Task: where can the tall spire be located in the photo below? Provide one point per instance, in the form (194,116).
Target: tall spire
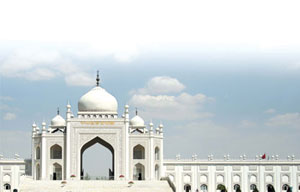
(97,79)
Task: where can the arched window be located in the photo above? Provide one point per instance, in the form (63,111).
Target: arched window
(37,153)
(220,179)
(156,172)
(222,188)
(285,179)
(203,188)
(269,178)
(156,153)
(187,188)
(6,186)
(187,178)
(237,188)
(236,179)
(15,190)
(270,188)
(6,178)
(253,179)
(203,179)
(138,152)
(56,152)
(37,172)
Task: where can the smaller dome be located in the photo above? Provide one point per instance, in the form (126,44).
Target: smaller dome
(137,121)
(58,121)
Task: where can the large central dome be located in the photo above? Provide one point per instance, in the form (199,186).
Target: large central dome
(98,100)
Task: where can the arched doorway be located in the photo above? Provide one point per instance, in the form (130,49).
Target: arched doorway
(139,172)
(270,188)
(221,188)
(253,188)
(187,188)
(237,188)
(156,172)
(108,149)
(57,172)
(6,187)
(203,188)
(38,172)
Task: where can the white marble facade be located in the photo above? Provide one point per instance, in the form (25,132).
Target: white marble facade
(11,172)
(57,149)
(138,152)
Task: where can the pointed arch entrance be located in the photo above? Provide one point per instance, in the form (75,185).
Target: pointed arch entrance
(97,140)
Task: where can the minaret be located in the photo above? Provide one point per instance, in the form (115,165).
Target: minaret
(33,151)
(161,151)
(44,151)
(126,121)
(68,143)
(152,158)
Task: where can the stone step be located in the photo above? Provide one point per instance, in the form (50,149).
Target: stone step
(94,186)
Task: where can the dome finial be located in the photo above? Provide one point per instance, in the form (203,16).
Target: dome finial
(97,79)
(136,111)
(57,110)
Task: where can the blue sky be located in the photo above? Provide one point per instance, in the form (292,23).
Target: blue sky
(221,78)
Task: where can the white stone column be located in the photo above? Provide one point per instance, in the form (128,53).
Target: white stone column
(127,156)
(33,155)
(44,152)
(261,178)
(161,151)
(152,154)
(68,144)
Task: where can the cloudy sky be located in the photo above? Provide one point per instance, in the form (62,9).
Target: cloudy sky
(222,76)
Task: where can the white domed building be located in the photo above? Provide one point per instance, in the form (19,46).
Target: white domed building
(57,150)
(137,153)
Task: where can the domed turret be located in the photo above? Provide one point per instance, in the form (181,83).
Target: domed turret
(58,121)
(97,101)
(137,121)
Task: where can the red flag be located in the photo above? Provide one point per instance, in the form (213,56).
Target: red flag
(263,156)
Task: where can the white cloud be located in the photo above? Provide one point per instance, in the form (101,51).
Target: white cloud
(288,120)
(270,111)
(9,116)
(153,101)
(161,85)
(165,107)
(44,64)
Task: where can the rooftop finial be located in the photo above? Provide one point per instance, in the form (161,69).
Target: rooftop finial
(136,111)
(57,110)
(97,79)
